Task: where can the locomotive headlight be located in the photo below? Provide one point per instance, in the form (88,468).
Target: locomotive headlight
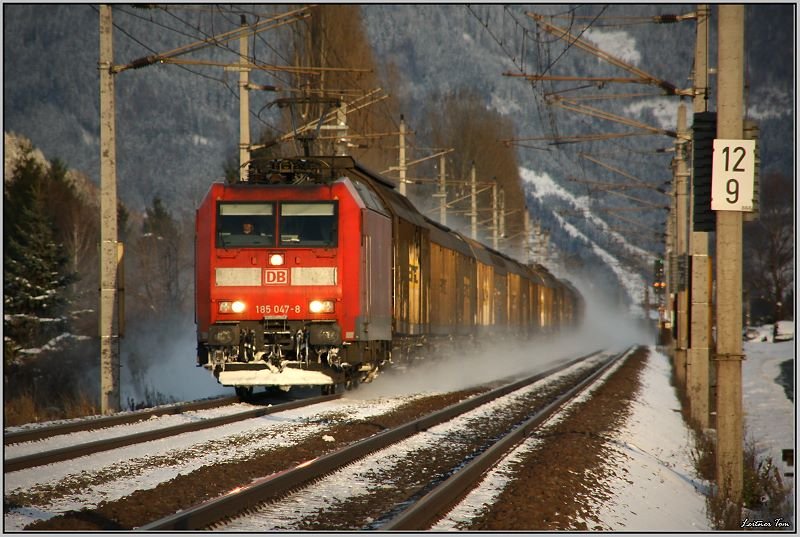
(276,260)
(226,306)
(320,306)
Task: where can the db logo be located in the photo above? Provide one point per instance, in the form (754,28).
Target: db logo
(276,276)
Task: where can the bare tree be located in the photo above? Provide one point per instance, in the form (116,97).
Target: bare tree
(769,244)
(73,211)
(464,122)
(157,283)
(334,39)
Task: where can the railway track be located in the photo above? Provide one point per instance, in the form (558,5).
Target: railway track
(203,498)
(49,431)
(422,513)
(49,456)
(413,501)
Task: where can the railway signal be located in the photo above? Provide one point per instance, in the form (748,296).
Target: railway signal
(703,134)
(659,280)
(698,364)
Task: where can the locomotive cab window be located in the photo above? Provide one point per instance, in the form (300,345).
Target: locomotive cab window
(308,224)
(245,225)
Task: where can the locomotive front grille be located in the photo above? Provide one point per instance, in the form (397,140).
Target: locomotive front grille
(277,326)
(280,327)
(280,332)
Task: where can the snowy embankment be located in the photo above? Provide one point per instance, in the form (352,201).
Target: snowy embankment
(769,414)
(661,491)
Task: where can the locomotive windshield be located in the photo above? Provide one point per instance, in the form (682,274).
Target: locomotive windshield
(253,225)
(308,224)
(245,225)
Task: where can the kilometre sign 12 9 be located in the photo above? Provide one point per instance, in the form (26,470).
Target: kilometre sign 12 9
(733,175)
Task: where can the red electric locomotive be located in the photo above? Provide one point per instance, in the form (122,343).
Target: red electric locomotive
(291,284)
(315,271)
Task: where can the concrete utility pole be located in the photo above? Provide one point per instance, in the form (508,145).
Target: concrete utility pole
(681,246)
(540,244)
(341,130)
(526,254)
(244,105)
(495,223)
(111,304)
(669,254)
(402,165)
(697,359)
(502,213)
(110,249)
(473,202)
(729,265)
(442,191)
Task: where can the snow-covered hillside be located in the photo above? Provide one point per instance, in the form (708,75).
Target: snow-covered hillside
(546,188)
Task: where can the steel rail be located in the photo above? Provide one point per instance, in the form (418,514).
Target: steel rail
(48,431)
(80,450)
(203,515)
(432,506)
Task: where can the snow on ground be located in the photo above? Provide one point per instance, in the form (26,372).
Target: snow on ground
(769,416)
(664,493)
(358,478)
(660,491)
(495,480)
(82,437)
(179,454)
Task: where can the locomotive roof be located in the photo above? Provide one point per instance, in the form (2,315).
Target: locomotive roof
(398,204)
(327,169)
(321,169)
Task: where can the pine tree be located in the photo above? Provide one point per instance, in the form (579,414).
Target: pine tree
(158,254)
(159,221)
(34,264)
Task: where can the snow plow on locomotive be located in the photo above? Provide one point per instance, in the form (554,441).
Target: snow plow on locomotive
(315,272)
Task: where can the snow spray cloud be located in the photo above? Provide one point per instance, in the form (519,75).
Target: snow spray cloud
(607,324)
(604,327)
(158,363)
(467,368)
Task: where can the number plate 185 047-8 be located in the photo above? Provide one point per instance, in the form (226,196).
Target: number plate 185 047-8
(277,310)
(733,175)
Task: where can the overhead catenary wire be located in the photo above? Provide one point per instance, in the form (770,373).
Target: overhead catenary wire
(550,63)
(130,36)
(211,41)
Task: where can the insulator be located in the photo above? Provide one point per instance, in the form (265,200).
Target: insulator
(143,62)
(666,19)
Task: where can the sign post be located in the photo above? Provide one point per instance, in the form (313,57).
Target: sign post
(733,175)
